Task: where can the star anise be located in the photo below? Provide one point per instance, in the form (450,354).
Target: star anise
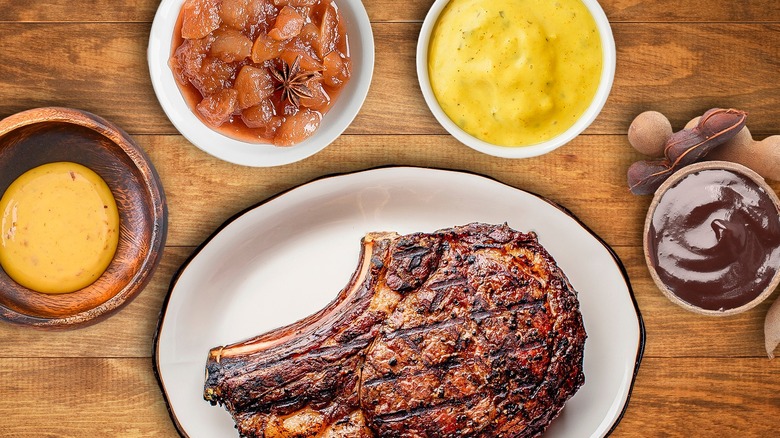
(293,82)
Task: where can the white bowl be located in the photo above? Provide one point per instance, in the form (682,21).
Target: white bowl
(335,121)
(605,85)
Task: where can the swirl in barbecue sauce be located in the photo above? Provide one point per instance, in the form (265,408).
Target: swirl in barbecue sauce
(714,239)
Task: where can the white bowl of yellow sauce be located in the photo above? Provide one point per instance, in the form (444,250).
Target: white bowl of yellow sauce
(515,78)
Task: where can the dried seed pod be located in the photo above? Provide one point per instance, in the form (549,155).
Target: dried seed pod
(692,123)
(685,147)
(715,127)
(772,329)
(680,144)
(765,158)
(649,132)
(644,177)
(761,156)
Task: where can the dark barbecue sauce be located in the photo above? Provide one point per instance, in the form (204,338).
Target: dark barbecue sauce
(715,239)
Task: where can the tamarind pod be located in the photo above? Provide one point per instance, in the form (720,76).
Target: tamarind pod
(715,127)
(681,145)
(644,177)
(685,147)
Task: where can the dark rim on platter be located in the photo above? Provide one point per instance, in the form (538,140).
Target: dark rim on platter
(132,275)
(199,248)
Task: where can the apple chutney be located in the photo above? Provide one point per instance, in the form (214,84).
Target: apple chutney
(262,71)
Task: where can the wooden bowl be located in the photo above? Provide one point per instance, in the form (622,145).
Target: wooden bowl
(671,182)
(44,135)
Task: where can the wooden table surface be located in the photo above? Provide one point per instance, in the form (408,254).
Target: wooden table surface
(700,376)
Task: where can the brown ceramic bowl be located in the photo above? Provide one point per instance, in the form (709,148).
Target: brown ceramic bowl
(44,135)
(671,182)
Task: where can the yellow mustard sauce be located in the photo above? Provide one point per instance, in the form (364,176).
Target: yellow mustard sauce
(59,228)
(515,72)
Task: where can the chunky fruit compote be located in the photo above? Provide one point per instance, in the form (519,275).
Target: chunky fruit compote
(263,71)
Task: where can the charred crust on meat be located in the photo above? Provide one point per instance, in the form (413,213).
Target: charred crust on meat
(471,331)
(411,262)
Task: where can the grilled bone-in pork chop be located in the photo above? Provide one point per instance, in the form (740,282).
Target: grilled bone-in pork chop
(471,331)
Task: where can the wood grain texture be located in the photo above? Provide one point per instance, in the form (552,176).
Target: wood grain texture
(81,11)
(672,11)
(678,12)
(106,397)
(699,397)
(701,376)
(97,67)
(102,68)
(678,71)
(587,176)
(74,398)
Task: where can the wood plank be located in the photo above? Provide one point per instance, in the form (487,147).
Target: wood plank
(675,11)
(224,189)
(586,176)
(698,397)
(126,333)
(74,398)
(671,331)
(387,10)
(119,397)
(672,68)
(99,68)
(677,70)
(82,11)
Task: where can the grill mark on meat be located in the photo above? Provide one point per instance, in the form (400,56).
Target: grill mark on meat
(324,353)
(338,351)
(471,331)
(476,316)
(523,348)
(406,415)
(442,367)
(415,251)
(445,284)
(437,300)
(479,246)
(441,288)
(454,364)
